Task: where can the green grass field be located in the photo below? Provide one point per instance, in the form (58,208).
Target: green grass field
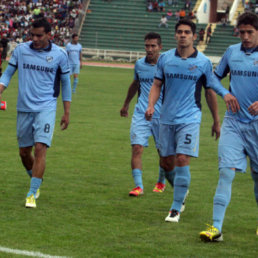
(84,209)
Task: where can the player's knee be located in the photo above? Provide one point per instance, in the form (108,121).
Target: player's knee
(227,174)
(137,150)
(24,152)
(166,164)
(182,160)
(40,149)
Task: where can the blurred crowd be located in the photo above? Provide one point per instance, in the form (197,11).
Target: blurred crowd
(16,16)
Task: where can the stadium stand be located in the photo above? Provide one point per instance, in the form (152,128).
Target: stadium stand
(121,25)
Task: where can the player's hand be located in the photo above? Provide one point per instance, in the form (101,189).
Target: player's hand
(149,113)
(124,112)
(215,130)
(64,121)
(253,109)
(231,103)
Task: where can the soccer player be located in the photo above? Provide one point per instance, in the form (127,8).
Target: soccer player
(41,66)
(141,129)
(183,71)
(239,132)
(74,50)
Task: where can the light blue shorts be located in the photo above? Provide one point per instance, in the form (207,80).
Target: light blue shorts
(179,139)
(35,127)
(141,130)
(74,69)
(237,141)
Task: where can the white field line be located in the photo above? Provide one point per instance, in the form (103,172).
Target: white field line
(28,253)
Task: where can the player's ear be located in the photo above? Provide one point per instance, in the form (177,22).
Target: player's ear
(49,35)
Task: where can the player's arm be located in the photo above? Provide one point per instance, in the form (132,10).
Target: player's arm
(212,103)
(6,77)
(153,98)
(81,59)
(132,90)
(231,101)
(253,109)
(66,97)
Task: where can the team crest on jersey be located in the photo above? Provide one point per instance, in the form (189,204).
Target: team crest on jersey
(192,67)
(49,59)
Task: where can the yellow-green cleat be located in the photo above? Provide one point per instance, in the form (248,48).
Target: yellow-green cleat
(30,202)
(211,234)
(37,194)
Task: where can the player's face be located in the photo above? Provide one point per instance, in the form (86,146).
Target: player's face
(248,35)
(184,36)
(152,49)
(39,37)
(75,40)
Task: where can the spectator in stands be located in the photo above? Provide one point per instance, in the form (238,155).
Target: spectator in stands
(1,51)
(169,14)
(163,21)
(188,4)
(201,34)
(4,41)
(208,34)
(182,14)
(162,6)
(177,15)
(173,2)
(155,6)
(149,6)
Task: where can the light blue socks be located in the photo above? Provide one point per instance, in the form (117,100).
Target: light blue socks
(181,185)
(161,175)
(222,196)
(34,186)
(75,82)
(137,177)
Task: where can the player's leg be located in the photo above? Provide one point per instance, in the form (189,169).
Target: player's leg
(43,129)
(231,157)
(160,185)
(140,132)
(25,139)
(187,146)
(75,82)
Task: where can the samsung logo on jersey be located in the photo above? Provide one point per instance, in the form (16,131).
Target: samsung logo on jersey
(181,76)
(146,80)
(244,73)
(38,68)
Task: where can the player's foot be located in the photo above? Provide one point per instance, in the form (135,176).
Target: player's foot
(136,191)
(211,234)
(159,188)
(183,204)
(30,202)
(37,194)
(173,216)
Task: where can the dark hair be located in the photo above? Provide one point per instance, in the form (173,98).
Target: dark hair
(42,22)
(186,22)
(248,18)
(153,35)
(74,35)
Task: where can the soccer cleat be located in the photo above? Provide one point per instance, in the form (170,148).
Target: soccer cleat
(211,234)
(183,204)
(136,191)
(159,188)
(37,194)
(173,216)
(30,202)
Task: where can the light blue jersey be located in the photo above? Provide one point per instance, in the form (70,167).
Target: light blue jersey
(183,80)
(74,51)
(39,73)
(243,68)
(144,73)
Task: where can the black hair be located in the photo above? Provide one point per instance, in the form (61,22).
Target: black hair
(248,18)
(186,22)
(153,35)
(42,22)
(74,35)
